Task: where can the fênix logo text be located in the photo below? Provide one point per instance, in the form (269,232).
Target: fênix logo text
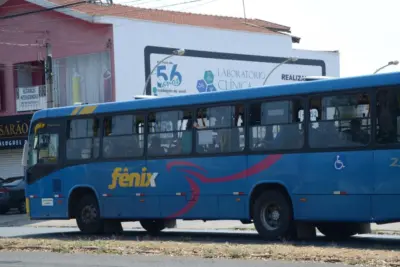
(132,179)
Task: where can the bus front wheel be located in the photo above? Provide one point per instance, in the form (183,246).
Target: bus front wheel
(272,215)
(88,216)
(153,227)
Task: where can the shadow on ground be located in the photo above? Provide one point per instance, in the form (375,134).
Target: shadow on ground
(14,218)
(360,242)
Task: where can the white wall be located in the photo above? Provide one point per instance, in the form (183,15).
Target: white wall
(132,36)
(331,59)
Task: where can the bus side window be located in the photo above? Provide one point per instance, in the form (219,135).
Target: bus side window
(220,129)
(343,121)
(276,125)
(83,140)
(168,133)
(121,136)
(388,116)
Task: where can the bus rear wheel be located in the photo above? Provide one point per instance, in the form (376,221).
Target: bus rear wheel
(272,215)
(153,227)
(88,216)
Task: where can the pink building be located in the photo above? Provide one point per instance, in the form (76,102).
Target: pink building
(82,66)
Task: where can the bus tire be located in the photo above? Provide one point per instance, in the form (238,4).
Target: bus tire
(22,207)
(338,231)
(88,215)
(272,215)
(4,210)
(153,227)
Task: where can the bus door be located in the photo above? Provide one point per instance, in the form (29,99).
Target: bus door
(41,171)
(221,175)
(337,175)
(169,141)
(387,156)
(133,191)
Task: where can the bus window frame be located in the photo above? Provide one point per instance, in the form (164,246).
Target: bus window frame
(195,108)
(102,135)
(376,144)
(304,98)
(218,105)
(46,168)
(146,132)
(301,97)
(368,90)
(71,162)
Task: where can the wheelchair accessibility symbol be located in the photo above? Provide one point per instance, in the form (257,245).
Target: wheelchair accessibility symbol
(338,163)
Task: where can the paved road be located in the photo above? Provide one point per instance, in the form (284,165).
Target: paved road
(33,259)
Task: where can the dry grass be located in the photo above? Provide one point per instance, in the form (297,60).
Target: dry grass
(287,252)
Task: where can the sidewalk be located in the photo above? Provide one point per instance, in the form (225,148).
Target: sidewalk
(15,220)
(212,225)
(393,228)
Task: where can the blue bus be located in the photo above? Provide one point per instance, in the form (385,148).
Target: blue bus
(289,158)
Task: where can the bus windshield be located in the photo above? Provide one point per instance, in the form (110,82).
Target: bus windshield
(43,148)
(32,151)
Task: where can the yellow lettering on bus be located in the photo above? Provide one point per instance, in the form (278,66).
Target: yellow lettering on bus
(125,179)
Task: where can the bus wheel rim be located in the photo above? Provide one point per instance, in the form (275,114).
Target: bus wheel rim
(270,217)
(89,214)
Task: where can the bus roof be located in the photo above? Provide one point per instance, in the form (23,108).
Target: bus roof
(333,84)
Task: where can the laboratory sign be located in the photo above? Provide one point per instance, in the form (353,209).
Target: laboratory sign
(200,72)
(14,131)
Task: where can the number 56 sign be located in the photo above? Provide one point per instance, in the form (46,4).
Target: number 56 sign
(167,77)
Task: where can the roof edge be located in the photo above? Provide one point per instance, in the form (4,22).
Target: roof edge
(99,19)
(67,11)
(295,39)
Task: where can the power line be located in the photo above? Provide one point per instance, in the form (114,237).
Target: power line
(20,45)
(41,10)
(135,1)
(138,10)
(94,9)
(181,3)
(201,4)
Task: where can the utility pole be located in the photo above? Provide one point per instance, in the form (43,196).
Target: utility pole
(244,11)
(49,75)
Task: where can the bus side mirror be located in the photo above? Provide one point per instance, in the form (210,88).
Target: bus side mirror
(24,162)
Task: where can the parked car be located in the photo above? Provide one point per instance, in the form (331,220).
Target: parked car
(12,194)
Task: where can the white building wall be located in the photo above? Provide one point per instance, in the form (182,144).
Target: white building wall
(132,36)
(331,58)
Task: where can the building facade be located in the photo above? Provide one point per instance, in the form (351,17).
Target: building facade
(81,56)
(102,53)
(221,53)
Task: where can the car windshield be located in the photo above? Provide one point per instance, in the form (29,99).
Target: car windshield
(14,182)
